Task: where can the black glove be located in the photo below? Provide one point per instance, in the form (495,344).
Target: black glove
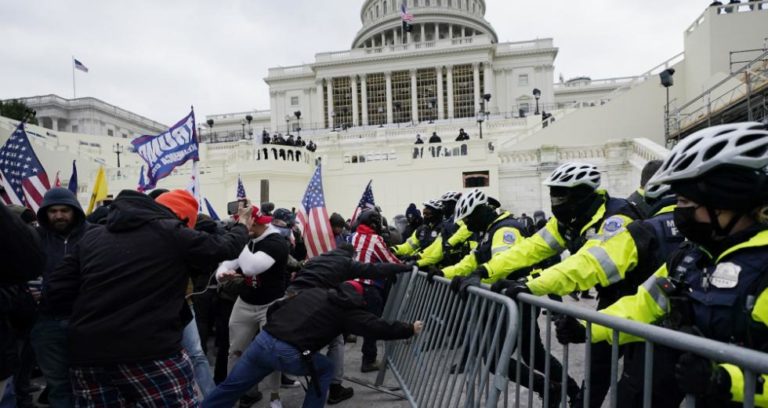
(411,258)
(502,285)
(461,284)
(569,330)
(433,271)
(391,270)
(700,376)
(513,288)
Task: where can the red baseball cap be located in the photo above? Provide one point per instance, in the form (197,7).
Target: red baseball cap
(259,217)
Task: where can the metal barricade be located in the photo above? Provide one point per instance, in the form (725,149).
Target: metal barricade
(751,362)
(462,356)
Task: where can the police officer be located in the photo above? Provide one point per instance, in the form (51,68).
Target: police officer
(426,233)
(715,285)
(623,262)
(454,241)
(584,217)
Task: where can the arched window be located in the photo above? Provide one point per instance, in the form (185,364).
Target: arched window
(384,6)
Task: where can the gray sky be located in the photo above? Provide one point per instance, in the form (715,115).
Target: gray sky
(158,57)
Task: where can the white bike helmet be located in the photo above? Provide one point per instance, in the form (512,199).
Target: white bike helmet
(655,191)
(434,204)
(574,174)
(451,196)
(469,202)
(737,144)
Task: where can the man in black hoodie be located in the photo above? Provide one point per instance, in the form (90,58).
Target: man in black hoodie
(62,226)
(297,328)
(125,286)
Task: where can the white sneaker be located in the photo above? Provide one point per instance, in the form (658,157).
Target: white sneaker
(275,404)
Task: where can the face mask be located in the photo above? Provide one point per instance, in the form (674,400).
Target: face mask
(697,232)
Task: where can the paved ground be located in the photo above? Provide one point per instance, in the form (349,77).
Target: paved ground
(367,397)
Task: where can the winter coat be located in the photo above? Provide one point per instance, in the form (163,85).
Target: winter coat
(127,282)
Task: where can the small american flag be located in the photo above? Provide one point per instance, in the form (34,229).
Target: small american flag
(313,217)
(404,14)
(79,65)
(240,189)
(366,201)
(21,174)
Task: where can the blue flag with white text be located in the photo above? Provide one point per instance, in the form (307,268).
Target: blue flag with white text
(166,151)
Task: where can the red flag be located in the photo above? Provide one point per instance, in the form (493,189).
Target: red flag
(57,181)
(313,218)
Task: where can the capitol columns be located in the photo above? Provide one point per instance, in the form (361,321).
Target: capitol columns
(488,81)
(440,101)
(388,77)
(319,115)
(414,98)
(355,112)
(476,84)
(329,88)
(449,81)
(364,95)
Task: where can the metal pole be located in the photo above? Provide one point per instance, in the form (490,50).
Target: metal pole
(749,95)
(666,116)
(74,89)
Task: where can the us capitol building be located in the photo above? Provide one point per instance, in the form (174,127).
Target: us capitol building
(363,107)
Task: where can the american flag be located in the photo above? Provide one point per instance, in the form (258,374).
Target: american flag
(240,189)
(79,65)
(142,187)
(313,218)
(194,186)
(366,201)
(404,14)
(21,174)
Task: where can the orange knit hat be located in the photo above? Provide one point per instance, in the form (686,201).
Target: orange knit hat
(182,203)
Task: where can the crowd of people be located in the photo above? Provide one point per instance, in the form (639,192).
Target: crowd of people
(120,310)
(279,139)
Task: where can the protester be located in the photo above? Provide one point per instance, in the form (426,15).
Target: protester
(340,231)
(126,281)
(262,266)
(298,328)
(23,260)
(62,226)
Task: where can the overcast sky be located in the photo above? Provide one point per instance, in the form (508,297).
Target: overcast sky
(158,57)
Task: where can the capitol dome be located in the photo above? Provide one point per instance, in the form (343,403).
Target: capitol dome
(433,20)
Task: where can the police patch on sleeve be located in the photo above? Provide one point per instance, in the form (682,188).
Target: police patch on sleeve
(726,275)
(612,226)
(509,237)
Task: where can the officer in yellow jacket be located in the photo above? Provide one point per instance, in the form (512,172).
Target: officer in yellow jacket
(716,284)
(584,217)
(454,241)
(426,233)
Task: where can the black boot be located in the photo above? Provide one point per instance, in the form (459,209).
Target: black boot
(338,393)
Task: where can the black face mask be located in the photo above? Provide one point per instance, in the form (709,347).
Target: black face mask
(480,219)
(567,209)
(701,233)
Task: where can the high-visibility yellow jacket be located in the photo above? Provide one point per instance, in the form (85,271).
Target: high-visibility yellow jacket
(433,254)
(501,235)
(717,288)
(609,219)
(422,238)
(640,248)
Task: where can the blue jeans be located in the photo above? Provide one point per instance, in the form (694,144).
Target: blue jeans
(263,356)
(190,340)
(49,339)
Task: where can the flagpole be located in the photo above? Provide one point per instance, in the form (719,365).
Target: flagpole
(74,90)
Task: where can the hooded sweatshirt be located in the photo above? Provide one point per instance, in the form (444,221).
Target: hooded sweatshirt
(57,245)
(127,282)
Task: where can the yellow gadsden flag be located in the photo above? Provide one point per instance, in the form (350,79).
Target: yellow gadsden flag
(99,190)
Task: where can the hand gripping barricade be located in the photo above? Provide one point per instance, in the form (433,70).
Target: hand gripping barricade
(477,334)
(751,362)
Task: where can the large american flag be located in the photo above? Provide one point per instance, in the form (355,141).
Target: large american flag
(240,189)
(404,14)
(366,201)
(313,218)
(21,174)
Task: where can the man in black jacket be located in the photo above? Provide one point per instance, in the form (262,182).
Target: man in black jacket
(62,226)
(23,260)
(298,328)
(125,286)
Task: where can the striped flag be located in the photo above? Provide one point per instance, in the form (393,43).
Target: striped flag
(57,180)
(366,201)
(313,218)
(22,176)
(240,189)
(79,66)
(404,14)
(194,187)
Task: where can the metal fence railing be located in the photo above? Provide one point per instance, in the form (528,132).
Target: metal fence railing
(462,356)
